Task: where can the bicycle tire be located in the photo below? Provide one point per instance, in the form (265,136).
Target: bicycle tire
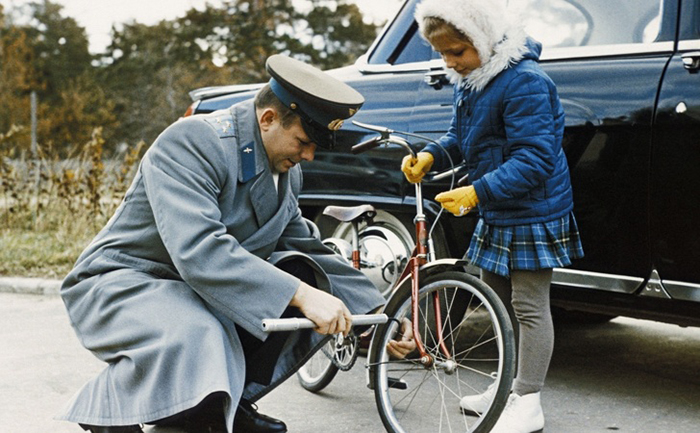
(319,370)
(479,334)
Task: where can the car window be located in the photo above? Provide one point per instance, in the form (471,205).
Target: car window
(555,23)
(690,21)
(416,49)
(575,23)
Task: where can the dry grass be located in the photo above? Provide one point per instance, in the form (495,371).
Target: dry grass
(51,208)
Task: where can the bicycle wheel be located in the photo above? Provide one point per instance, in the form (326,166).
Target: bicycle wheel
(319,370)
(478,334)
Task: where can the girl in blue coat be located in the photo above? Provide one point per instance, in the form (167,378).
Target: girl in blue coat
(507,126)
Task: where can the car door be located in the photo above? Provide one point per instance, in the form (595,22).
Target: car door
(675,171)
(608,83)
(607,60)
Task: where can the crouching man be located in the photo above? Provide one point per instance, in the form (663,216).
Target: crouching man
(208,241)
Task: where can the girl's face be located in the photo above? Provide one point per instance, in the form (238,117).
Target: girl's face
(459,55)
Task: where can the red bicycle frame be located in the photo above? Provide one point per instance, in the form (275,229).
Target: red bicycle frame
(418,259)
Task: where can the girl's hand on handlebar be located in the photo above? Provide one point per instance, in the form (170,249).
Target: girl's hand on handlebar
(458,201)
(415,168)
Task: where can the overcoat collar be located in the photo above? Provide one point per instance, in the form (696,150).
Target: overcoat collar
(251,152)
(254,165)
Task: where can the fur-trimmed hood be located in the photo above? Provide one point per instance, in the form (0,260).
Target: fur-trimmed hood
(496,35)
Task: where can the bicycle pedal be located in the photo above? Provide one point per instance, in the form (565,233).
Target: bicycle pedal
(397,383)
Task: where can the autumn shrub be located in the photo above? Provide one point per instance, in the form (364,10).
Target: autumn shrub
(51,207)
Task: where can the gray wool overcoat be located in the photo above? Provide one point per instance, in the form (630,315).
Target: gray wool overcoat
(188,255)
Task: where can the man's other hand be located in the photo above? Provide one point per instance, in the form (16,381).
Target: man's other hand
(400,348)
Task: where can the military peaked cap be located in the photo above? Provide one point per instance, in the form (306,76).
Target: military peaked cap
(321,101)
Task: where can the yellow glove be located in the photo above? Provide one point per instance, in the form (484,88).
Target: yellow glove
(415,168)
(458,201)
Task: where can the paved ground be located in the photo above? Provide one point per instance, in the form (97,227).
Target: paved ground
(627,376)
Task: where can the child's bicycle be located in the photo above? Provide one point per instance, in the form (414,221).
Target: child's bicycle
(463,336)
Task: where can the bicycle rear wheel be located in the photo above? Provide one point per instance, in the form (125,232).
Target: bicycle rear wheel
(478,333)
(319,370)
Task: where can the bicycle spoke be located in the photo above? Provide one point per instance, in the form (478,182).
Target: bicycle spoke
(470,334)
(413,396)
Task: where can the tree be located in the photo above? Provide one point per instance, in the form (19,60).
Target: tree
(149,70)
(60,48)
(49,55)
(140,84)
(16,81)
(338,33)
(243,33)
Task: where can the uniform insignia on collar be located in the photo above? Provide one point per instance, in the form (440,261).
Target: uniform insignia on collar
(248,161)
(222,122)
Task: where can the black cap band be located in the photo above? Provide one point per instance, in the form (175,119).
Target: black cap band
(318,133)
(321,101)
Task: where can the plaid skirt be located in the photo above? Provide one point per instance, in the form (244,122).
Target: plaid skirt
(529,247)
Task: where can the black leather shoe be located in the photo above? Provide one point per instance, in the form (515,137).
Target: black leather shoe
(249,420)
(111,429)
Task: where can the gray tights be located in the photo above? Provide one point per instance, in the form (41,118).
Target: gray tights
(526,295)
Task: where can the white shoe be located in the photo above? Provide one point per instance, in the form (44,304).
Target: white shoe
(523,414)
(478,403)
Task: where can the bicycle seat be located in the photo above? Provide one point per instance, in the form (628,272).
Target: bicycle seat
(349,213)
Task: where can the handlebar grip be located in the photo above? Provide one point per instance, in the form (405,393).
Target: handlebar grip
(294,323)
(464,180)
(365,145)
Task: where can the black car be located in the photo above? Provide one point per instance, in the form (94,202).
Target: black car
(627,75)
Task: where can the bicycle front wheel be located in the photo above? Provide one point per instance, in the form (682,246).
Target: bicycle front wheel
(478,335)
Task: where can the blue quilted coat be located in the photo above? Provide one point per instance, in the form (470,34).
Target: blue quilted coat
(510,134)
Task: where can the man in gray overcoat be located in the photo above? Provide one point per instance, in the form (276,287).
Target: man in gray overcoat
(208,241)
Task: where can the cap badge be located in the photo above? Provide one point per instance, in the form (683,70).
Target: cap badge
(352,111)
(335,124)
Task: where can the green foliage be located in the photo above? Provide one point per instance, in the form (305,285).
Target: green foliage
(50,208)
(59,47)
(140,84)
(149,70)
(50,57)
(28,253)
(90,106)
(15,80)
(338,34)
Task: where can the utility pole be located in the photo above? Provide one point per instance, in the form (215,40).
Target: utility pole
(32,99)
(35,157)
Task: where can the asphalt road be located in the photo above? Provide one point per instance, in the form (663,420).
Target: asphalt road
(625,376)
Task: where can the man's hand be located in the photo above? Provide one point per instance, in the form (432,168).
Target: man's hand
(401,348)
(329,313)
(415,168)
(458,201)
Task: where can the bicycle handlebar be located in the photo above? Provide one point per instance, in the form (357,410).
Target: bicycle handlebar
(385,136)
(366,145)
(295,323)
